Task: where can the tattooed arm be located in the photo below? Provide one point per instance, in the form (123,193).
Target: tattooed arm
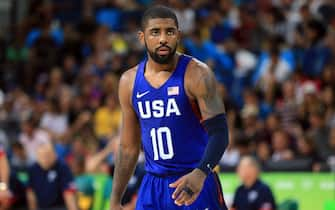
(200,85)
(129,143)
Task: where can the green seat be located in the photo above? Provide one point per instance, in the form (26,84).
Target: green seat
(288,204)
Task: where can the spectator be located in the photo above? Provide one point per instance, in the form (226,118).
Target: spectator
(32,136)
(319,131)
(185,15)
(272,123)
(253,194)
(107,118)
(54,120)
(263,151)
(55,83)
(281,146)
(288,107)
(249,116)
(317,54)
(328,100)
(306,150)
(51,183)
(19,160)
(275,69)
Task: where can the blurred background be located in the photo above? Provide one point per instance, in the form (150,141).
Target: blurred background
(60,62)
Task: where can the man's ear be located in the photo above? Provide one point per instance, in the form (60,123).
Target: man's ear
(140,35)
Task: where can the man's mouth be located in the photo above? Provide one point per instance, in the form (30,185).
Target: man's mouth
(163,51)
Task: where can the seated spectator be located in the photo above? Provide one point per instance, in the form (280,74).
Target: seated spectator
(18,160)
(317,55)
(50,183)
(253,194)
(272,123)
(319,131)
(275,69)
(252,99)
(249,115)
(202,50)
(32,136)
(328,98)
(54,120)
(288,106)
(263,151)
(107,118)
(281,146)
(306,150)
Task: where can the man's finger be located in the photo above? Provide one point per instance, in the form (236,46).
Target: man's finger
(176,183)
(191,199)
(178,190)
(181,198)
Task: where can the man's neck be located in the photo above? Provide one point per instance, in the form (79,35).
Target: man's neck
(250,183)
(157,67)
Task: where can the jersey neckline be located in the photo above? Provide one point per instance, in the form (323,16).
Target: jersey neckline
(142,71)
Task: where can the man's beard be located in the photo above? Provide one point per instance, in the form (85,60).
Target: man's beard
(162,59)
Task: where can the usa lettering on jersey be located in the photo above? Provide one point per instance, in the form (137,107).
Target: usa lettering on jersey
(158,108)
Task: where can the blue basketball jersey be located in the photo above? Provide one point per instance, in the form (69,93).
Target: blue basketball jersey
(173,138)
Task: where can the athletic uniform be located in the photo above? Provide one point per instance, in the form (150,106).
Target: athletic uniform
(173,141)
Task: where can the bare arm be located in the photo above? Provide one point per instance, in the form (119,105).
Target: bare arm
(4,172)
(31,200)
(94,161)
(202,87)
(129,142)
(70,201)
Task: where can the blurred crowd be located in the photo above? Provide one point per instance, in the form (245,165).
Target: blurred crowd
(60,65)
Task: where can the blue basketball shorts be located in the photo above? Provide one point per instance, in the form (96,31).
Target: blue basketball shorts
(155,194)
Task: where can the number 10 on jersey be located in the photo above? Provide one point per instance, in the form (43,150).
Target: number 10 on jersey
(158,144)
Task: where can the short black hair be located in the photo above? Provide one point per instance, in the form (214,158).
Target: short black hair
(158,11)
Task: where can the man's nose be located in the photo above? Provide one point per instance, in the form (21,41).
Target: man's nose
(163,39)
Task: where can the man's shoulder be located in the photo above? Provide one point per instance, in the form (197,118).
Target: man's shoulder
(263,186)
(196,66)
(129,75)
(126,84)
(240,188)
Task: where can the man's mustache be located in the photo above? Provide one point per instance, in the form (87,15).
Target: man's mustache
(165,46)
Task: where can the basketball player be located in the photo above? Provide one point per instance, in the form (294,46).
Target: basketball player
(171,107)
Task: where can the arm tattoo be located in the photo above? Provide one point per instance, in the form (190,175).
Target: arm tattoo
(124,168)
(209,97)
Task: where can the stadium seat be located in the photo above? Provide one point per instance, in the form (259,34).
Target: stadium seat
(291,165)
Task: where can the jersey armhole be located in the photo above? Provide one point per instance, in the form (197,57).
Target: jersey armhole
(136,81)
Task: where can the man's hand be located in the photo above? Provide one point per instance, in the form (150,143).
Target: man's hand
(188,187)
(116,207)
(5,199)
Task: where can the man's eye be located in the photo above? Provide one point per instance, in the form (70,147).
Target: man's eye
(154,33)
(170,33)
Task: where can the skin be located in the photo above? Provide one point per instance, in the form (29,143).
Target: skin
(4,178)
(200,86)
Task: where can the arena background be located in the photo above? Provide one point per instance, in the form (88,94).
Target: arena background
(60,61)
